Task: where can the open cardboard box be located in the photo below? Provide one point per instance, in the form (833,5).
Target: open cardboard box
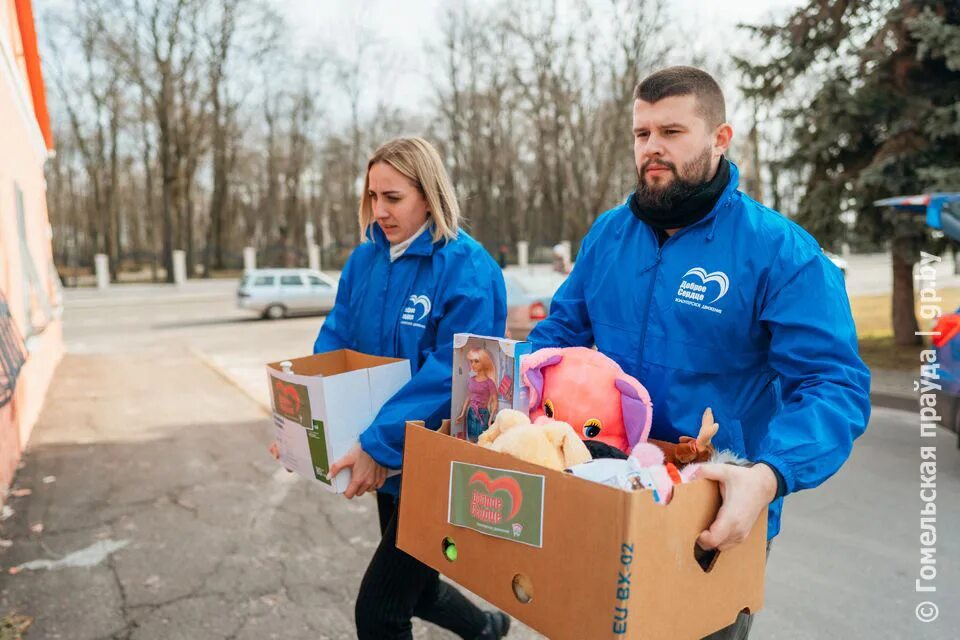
(591,561)
(322,402)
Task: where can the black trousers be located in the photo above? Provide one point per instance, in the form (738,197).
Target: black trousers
(397,587)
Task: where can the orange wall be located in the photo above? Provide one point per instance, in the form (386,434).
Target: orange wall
(21,163)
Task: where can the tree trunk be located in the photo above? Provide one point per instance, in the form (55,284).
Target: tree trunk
(905,325)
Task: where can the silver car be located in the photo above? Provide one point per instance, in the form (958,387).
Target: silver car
(277,293)
(529,294)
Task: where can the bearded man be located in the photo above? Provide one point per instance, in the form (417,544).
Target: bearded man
(711,299)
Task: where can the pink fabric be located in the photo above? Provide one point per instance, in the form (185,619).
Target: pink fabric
(582,385)
(481,392)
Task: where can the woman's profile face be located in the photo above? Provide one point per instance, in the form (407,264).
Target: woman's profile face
(398,206)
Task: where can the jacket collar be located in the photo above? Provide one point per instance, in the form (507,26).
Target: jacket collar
(422,246)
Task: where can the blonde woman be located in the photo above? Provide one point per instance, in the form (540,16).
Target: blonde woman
(414,281)
(481,401)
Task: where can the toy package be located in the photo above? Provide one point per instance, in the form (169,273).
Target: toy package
(486,379)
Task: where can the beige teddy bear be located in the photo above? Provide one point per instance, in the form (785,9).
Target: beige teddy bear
(549,443)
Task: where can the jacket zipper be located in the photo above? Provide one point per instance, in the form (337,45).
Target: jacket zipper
(650,289)
(656,271)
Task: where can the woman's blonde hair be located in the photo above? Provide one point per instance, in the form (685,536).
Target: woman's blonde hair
(416,159)
(486,362)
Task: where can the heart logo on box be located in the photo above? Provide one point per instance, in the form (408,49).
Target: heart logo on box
(288,400)
(506,484)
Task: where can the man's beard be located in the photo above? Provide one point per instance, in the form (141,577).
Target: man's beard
(693,175)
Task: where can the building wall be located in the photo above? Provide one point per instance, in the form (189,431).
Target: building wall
(21,167)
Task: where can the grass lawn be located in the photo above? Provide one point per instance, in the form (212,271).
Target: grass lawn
(872,315)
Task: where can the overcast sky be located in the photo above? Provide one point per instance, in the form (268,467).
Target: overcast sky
(403,29)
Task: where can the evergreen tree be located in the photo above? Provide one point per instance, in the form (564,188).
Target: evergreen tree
(870,93)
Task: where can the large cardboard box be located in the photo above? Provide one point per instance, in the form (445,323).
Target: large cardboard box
(591,561)
(322,402)
(503,356)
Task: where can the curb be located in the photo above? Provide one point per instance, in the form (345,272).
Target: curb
(213,366)
(178,298)
(899,401)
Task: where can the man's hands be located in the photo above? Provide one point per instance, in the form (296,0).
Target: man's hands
(367,475)
(745,492)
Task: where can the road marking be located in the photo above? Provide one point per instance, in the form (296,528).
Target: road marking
(89,557)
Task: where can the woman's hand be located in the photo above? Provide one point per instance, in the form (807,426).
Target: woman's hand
(275,452)
(367,475)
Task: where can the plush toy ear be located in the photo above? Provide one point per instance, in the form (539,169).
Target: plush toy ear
(562,436)
(636,408)
(505,420)
(531,368)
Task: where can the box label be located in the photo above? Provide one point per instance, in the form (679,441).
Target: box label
(291,401)
(317,441)
(497,502)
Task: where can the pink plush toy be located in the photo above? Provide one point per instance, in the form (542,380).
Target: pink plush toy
(590,392)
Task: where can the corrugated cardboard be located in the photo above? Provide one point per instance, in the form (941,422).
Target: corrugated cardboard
(613,564)
(322,405)
(505,354)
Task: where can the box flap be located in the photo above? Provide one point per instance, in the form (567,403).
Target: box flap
(509,347)
(333,362)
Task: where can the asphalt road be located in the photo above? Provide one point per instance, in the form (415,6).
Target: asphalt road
(845,564)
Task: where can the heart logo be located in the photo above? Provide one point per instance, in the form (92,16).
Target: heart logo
(288,400)
(506,484)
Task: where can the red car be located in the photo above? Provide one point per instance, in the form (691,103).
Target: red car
(529,292)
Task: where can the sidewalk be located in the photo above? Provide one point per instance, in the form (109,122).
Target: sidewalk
(159,519)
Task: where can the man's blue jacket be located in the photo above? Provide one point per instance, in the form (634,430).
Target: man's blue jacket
(741,312)
(410,309)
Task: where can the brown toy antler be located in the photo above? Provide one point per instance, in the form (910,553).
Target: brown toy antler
(689,449)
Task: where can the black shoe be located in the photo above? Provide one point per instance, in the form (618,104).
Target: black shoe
(498,626)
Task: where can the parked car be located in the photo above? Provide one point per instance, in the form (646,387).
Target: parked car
(277,293)
(529,294)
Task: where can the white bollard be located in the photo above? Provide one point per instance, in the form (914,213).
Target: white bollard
(522,258)
(179,267)
(313,255)
(845,250)
(101,266)
(249,258)
(567,254)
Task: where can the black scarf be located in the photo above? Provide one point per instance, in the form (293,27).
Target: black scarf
(691,209)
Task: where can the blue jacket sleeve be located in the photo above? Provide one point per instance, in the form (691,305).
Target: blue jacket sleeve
(825,385)
(335,333)
(474,302)
(568,324)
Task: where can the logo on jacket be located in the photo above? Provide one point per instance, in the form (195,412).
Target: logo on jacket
(410,317)
(697,288)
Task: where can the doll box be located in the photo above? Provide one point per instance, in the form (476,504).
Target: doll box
(322,402)
(609,563)
(502,355)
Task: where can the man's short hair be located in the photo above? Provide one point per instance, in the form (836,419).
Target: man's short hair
(685,81)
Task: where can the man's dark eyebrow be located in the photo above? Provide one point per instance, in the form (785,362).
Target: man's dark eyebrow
(672,125)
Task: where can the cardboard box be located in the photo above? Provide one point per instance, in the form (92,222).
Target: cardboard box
(504,357)
(594,561)
(323,402)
